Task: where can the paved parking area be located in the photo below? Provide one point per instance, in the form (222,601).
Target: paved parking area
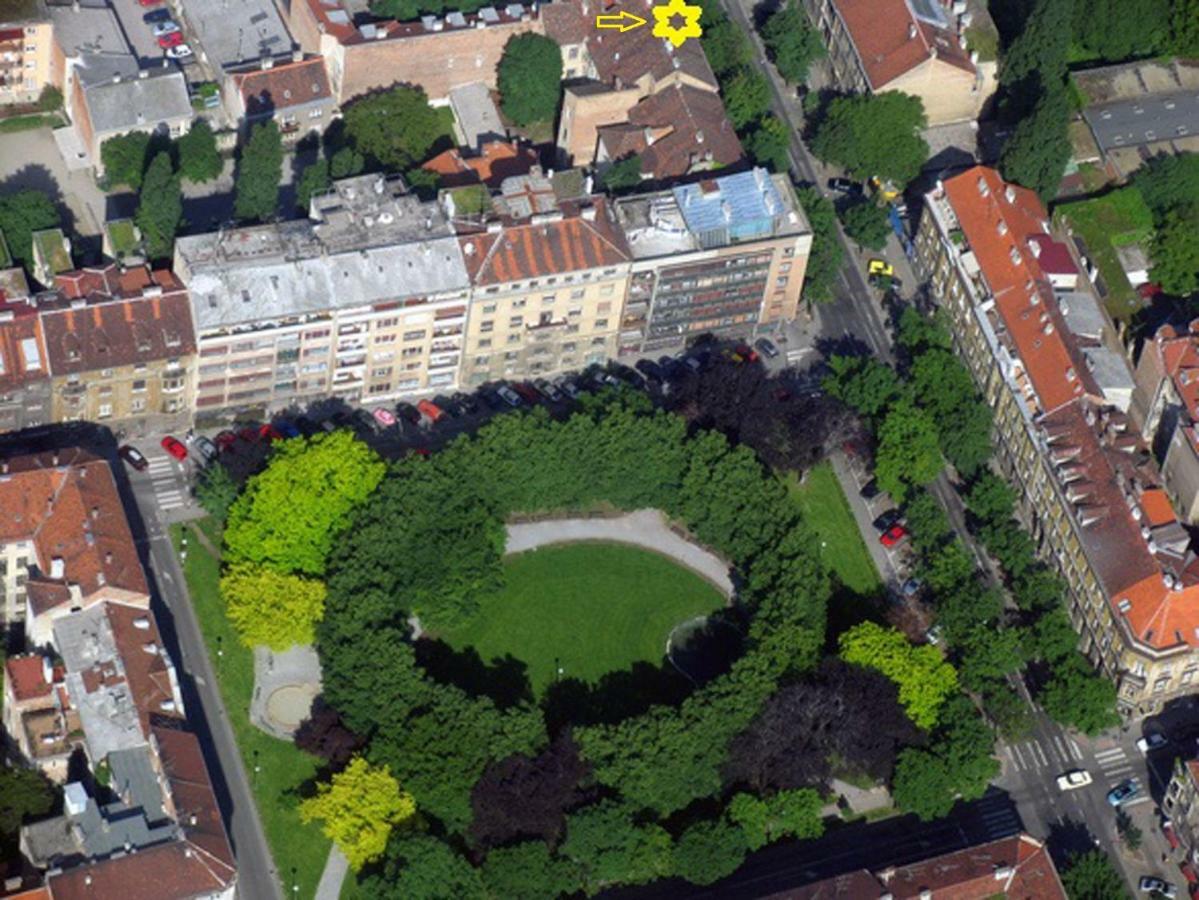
(890,561)
(143,43)
(31,159)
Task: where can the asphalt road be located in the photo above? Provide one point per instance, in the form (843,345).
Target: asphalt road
(206,711)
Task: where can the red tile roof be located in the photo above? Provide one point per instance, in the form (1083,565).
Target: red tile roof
(26,677)
(637,54)
(891,41)
(67,504)
(570,244)
(1156,506)
(496,161)
(282,86)
(566,22)
(103,318)
(174,871)
(147,674)
(22,348)
(192,800)
(1052,256)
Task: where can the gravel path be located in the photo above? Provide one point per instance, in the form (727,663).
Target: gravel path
(646,528)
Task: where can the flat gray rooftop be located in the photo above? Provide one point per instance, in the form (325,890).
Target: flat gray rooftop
(236,32)
(1144,120)
(476,115)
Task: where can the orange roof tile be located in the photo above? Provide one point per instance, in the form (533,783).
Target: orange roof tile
(891,41)
(1155,503)
(497,160)
(26,677)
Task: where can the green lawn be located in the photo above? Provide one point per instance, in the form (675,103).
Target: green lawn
(595,607)
(28,123)
(1114,220)
(283,769)
(827,511)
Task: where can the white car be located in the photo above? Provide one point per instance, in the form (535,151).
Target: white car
(1152,741)
(179,51)
(1074,779)
(1151,885)
(167,27)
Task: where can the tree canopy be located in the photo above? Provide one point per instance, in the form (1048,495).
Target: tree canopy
(873,134)
(396,128)
(824,263)
(529,77)
(199,159)
(909,452)
(866,222)
(1036,154)
(159,208)
(1175,251)
(259,172)
(1092,876)
(925,680)
(124,158)
(271,608)
(21,214)
(791,41)
(359,808)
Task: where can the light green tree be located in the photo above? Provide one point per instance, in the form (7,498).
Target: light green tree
(924,678)
(272,608)
(359,808)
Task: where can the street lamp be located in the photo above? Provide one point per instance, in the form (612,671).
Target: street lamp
(257,768)
(295,884)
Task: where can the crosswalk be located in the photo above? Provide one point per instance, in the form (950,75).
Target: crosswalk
(164,477)
(1033,754)
(1059,753)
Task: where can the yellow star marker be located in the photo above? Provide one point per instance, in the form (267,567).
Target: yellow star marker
(664,15)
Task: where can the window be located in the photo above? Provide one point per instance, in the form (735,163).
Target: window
(106,373)
(519,304)
(388,323)
(577,294)
(484,342)
(514,338)
(139,384)
(138,404)
(414,335)
(516,321)
(385,338)
(486,326)
(547,299)
(488,308)
(601,323)
(481,360)
(105,410)
(381,372)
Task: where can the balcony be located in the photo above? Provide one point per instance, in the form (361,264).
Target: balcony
(449,362)
(173,385)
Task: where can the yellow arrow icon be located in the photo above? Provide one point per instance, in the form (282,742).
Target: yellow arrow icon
(621,23)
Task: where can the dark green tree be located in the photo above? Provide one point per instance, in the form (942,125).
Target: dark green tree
(1091,876)
(1175,252)
(345,163)
(1168,182)
(746,97)
(259,172)
(421,867)
(991,499)
(769,145)
(23,793)
(610,848)
(726,48)
(216,490)
(866,222)
(396,128)
(528,77)
(864,383)
(124,159)
(1184,28)
(926,520)
(824,263)
(159,208)
(919,333)
(528,871)
(21,214)
(791,41)
(873,134)
(199,159)
(623,175)
(1116,30)
(1035,61)
(908,450)
(1036,154)
(314,180)
(1078,696)
(708,851)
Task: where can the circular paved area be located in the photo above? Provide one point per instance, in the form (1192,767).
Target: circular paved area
(288,706)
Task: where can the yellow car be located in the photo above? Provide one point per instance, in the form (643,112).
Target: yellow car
(880,267)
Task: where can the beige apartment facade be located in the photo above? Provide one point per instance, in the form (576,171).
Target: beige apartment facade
(27,60)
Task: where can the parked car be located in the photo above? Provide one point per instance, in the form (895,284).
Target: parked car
(570,388)
(650,369)
(180,52)
(549,391)
(167,41)
(912,587)
(306,426)
(767,347)
(448,406)
(1073,780)
(880,267)
(134,458)
(269,433)
(287,429)
(869,490)
(526,393)
(1125,790)
(431,411)
(491,400)
(887,519)
(149,2)
(467,403)
(408,413)
(844,186)
(156,15)
(226,440)
(1152,741)
(384,416)
(175,447)
(365,423)
(166,26)
(893,535)
(1150,885)
(509,396)
(204,447)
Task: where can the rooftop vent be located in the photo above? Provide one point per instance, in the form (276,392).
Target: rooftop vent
(142,623)
(58,568)
(1124,605)
(1009,192)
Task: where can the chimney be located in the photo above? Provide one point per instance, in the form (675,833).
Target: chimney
(267,63)
(95,512)
(58,567)
(297,56)
(912,32)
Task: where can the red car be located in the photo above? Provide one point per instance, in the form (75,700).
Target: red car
(174,39)
(149,2)
(747,353)
(430,410)
(225,440)
(893,535)
(248,434)
(270,433)
(175,448)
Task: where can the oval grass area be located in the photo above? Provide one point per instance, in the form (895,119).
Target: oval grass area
(595,607)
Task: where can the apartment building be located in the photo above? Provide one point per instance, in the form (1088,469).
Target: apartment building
(725,255)
(1166,409)
(295,94)
(549,279)
(1048,363)
(24,372)
(365,300)
(1181,805)
(102,682)
(914,46)
(121,348)
(27,53)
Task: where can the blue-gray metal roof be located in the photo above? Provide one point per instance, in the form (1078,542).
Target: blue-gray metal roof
(745,205)
(1144,120)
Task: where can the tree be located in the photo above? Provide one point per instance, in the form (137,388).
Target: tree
(216,490)
(873,134)
(862,382)
(769,144)
(763,820)
(611,849)
(1116,30)
(396,128)
(259,172)
(924,678)
(529,871)
(991,499)
(824,262)
(726,48)
(959,763)
(21,214)
(919,333)
(622,175)
(528,78)
(159,208)
(421,867)
(50,99)
(1036,59)
(1091,876)
(325,735)
(949,566)
(523,796)
(271,608)
(346,162)
(23,793)
(359,807)
(1036,154)
(867,223)
(124,158)
(313,180)
(1077,696)
(199,159)
(746,97)
(908,451)
(708,851)
(1168,182)
(922,785)
(791,41)
(289,515)
(926,520)
(1184,28)
(1175,252)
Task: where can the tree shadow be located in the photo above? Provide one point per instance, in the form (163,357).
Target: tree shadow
(1067,839)
(615,697)
(505,679)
